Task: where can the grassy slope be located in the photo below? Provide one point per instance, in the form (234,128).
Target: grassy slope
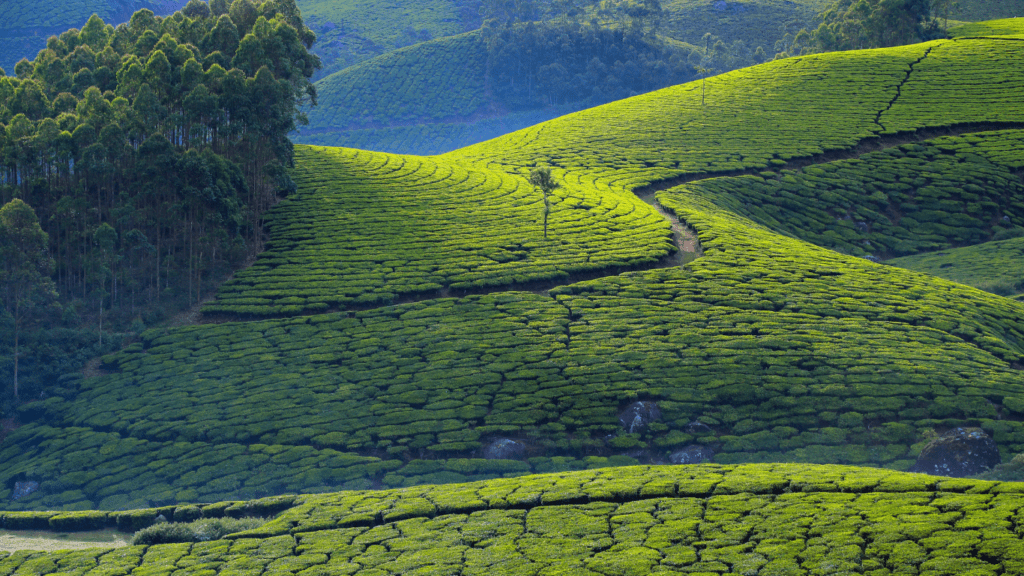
(784,519)
(787,350)
(443,80)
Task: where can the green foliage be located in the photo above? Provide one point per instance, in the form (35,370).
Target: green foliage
(367,228)
(25,285)
(195,531)
(424,139)
(426,83)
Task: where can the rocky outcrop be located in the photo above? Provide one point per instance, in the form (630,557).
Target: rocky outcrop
(693,454)
(639,415)
(961,452)
(505,449)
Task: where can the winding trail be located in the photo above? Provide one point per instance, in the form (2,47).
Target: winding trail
(687,244)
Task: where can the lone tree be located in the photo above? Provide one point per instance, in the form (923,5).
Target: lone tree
(25,268)
(541,178)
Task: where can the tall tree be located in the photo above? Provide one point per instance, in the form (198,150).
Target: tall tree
(25,268)
(541,178)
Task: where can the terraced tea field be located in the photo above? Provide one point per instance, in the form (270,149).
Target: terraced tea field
(768,348)
(783,519)
(370,228)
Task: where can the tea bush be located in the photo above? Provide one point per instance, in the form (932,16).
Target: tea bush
(195,531)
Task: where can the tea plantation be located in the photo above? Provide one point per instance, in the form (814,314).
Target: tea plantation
(767,349)
(755,519)
(368,228)
(918,197)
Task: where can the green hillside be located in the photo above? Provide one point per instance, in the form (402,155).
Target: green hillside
(783,519)
(388,227)
(426,83)
(350,31)
(996,267)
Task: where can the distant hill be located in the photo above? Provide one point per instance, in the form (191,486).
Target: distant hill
(26,24)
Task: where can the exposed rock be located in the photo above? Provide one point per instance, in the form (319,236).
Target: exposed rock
(639,415)
(505,449)
(698,428)
(692,454)
(961,452)
(22,489)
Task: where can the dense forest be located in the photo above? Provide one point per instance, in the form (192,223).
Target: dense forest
(149,153)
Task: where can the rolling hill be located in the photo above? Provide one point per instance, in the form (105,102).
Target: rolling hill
(766,348)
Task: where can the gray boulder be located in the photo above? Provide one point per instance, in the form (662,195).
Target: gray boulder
(638,415)
(961,452)
(692,454)
(505,449)
(22,489)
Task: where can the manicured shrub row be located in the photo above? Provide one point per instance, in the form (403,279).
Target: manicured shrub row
(369,508)
(446,75)
(631,521)
(996,267)
(960,82)
(368,228)
(79,469)
(920,197)
(138,519)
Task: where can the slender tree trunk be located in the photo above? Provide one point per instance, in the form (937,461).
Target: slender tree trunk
(17,334)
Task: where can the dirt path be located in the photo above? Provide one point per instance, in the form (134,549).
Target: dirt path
(684,237)
(11,540)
